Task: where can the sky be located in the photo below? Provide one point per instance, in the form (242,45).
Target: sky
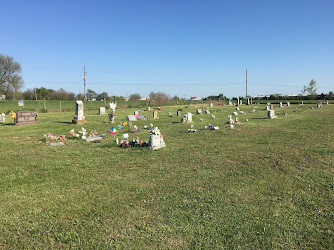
(179,47)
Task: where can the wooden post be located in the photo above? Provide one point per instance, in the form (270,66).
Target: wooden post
(44,105)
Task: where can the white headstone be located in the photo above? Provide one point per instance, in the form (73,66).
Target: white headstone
(2,117)
(102,111)
(188,117)
(281,105)
(271,114)
(79,113)
(131,118)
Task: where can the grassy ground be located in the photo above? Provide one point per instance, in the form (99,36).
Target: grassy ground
(266,184)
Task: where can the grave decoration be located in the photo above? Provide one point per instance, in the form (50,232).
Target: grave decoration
(159,108)
(234,113)
(12,114)
(51,139)
(231,121)
(74,135)
(112,131)
(237,122)
(211,127)
(192,128)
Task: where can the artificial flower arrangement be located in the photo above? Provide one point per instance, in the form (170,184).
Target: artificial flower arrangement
(12,114)
(50,137)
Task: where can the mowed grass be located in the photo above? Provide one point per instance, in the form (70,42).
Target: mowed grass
(266,184)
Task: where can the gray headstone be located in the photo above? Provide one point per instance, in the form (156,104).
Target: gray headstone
(131,118)
(156,142)
(25,118)
(179,113)
(2,117)
(79,111)
(271,114)
(188,117)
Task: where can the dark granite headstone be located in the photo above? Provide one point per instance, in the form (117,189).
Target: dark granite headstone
(25,118)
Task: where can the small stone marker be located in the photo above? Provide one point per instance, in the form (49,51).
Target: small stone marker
(2,117)
(230,102)
(211,105)
(199,111)
(281,105)
(288,104)
(93,138)
(131,118)
(136,112)
(188,117)
(25,118)
(149,109)
(326,102)
(248,103)
(271,106)
(267,108)
(178,113)
(155,115)
(302,103)
(207,112)
(240,102)
(79,117)
(271,114)
(102,110)
(234,113)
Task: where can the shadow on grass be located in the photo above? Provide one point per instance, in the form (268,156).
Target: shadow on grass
(261,118)
(64,122)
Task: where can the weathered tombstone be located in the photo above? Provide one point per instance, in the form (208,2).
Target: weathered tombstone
(327,102)
(281,105)
(199,111)
(302,103)
(79,117)
(155,115)
(2,117)
(25,118)
(267,108)
(271,114)
(188,117)
(288,104)
(248,103)
(111,116)
(207,112)
(211,105)
(102,111)
(271,106)
(251,101)
(178,113)
(240,102)
(131,118)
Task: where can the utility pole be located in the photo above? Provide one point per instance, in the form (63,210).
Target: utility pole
(84,78)
(246,84)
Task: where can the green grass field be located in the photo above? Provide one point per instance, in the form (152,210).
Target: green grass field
(266,184)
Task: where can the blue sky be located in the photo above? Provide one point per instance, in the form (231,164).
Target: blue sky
(180,47)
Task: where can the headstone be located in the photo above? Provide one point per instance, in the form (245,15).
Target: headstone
(327,102)
(230,102)
(248,103)
(170,114)
(251,101)
(207,112)
(102,111)
(111,116)
(25,118)
(199,111)
(288,104)
(136,112)
(302,103)
(211,105)
(2,117)
(237,108)
(240,102)
(131,118)
(267,108)
(234,113)
(188,117)
(93,138)
(79,117)
(149,109)
(272,106)
(156,140)
(271,114)
(281,105)
(155,115)
(178,113)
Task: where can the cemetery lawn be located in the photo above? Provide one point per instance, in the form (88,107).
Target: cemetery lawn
(266,184)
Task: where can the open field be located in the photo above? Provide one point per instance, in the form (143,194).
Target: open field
(266,184)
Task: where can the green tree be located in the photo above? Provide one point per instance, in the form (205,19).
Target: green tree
(10,78)
(311,89)
(91,94)
(134,97)
(330,95)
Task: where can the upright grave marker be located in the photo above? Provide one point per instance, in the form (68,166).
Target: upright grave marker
(79,117)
